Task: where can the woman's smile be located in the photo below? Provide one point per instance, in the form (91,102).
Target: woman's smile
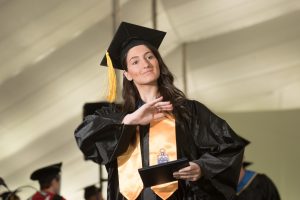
(149,71)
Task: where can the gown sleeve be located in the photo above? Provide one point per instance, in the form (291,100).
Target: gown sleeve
(102,137)
(221,150)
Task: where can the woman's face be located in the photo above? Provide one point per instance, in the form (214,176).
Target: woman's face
(142,66)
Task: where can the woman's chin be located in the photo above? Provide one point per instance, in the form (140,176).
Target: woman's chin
(148,82)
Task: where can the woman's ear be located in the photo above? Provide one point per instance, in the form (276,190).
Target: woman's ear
(127,75)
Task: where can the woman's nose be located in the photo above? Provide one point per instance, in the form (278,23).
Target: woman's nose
(145,63)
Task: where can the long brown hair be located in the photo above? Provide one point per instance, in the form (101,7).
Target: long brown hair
(165,84)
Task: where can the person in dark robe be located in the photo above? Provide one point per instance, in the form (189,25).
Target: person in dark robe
(92,193)
(253,185)
(49,181)
(157,119)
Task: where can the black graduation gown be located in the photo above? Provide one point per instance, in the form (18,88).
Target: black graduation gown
(203,138)
(261,188)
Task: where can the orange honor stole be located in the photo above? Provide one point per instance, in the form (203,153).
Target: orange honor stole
(162,148)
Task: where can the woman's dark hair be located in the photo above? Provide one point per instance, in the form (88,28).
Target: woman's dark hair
(165,85)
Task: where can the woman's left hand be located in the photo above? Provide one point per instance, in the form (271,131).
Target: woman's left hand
(190,173)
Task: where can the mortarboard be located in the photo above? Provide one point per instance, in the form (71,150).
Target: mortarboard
(46,173)
(127,35)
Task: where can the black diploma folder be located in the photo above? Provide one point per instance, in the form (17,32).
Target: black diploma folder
(162,173)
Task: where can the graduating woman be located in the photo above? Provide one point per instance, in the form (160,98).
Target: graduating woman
(157,124)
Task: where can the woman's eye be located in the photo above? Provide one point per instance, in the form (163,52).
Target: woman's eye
(134,62)
(150,57)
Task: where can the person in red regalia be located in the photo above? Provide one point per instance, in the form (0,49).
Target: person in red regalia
(49,181)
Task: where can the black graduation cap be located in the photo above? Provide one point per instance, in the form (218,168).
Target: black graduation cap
(90,191)
(127,34)
(46,173)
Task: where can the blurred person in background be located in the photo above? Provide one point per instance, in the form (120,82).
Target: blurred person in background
(92,193)
(49,181)
(255,186)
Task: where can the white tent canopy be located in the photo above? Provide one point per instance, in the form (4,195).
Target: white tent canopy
(242,56)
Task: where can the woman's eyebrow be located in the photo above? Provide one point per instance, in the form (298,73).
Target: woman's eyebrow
(133,57)
(148,52)
(138,56)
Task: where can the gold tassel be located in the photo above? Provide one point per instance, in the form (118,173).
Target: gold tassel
(112,80)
